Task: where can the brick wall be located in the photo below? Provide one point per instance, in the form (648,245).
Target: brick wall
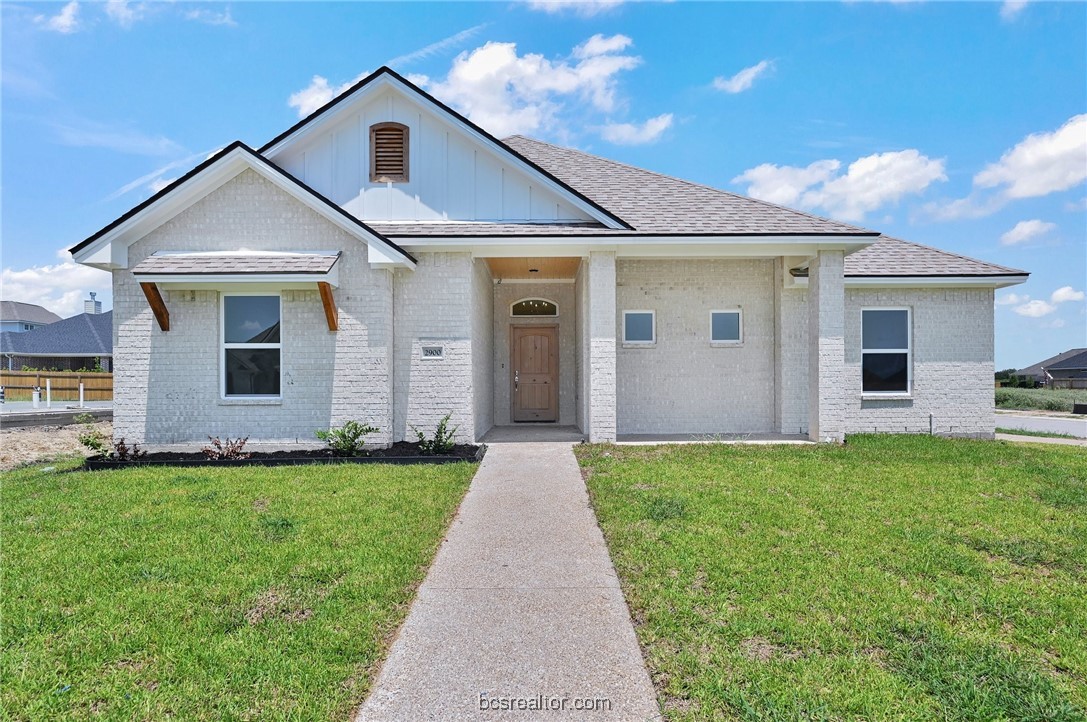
(602,346)
(482,347)
(826,347)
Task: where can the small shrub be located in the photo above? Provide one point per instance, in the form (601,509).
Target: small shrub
(123,452)
(83,418)
(225,449)
(94,440)
(443,440)
(349,439)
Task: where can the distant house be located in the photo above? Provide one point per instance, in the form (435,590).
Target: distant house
(1037,372)
(1068,373)
(18,317)
(80,342)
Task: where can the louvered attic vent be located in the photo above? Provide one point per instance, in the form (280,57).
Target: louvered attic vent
(388,153)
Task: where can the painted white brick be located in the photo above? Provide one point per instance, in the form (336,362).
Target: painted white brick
(826,346)
(602,351)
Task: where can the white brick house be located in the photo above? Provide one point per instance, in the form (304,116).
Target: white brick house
(388,261)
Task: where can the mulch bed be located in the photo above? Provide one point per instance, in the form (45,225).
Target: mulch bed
(402,452)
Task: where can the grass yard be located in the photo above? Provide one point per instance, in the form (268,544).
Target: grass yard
(1039,399)
(1029,432)
(894,578)
(200,593)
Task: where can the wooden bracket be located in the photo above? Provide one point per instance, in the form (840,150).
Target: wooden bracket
(158,306)
(331,314)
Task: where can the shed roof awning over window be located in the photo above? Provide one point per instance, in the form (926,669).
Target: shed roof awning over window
(215,268)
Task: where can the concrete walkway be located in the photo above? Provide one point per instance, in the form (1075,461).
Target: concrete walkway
(1040,440)
(521,609)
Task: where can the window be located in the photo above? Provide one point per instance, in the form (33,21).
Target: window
(639,327)
(251,346)
(388,153)
(726,327)
(534,307)
(885,351)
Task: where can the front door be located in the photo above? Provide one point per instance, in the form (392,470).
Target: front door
(534,363)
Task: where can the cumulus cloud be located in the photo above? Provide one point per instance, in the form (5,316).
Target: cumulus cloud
(317,94)
(1065,294)
(744,79)
(1010,9)
(585,8)
(1035,309)
(869,183)
(1025,230)
(125,13)
(60,287)
(1011,299)
(635,133)
(64,22)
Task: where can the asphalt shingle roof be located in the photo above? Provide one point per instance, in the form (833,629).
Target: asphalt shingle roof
(658,204)
(242,263)
(894,257)
(1073,362)
(27,312)
(1035,370)
(86,334)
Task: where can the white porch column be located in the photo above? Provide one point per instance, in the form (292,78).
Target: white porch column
(826,347)
(601,346)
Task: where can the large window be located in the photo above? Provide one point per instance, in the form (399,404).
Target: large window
(639,328)
(251,346)
(726,327)
(885,351)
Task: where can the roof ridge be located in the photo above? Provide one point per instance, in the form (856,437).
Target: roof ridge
(677,179)
(951,253)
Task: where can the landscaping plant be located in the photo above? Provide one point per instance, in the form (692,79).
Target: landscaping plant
(349,439)
(226,450)
(443,440)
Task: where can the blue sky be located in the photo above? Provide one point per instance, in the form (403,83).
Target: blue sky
(957,125)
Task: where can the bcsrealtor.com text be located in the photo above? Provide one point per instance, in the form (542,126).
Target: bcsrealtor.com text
(543,703)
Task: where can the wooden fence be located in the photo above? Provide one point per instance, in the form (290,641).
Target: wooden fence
(19,385)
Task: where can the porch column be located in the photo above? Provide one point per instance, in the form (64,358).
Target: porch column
(826,347)
(601,346)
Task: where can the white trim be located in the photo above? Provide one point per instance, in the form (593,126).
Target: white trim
(653,326)
(536,298)
(179,281)
(501,281)
(739,326)
(925,281)
(224,346)
(907,393)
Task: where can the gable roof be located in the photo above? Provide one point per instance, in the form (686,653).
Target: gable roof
(1074,362)
(892,257)
(1037,370)
(88,334)
(388,75)
(26,312)
(236,152)
(657,204)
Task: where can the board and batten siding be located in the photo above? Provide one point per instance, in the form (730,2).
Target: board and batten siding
(451,177)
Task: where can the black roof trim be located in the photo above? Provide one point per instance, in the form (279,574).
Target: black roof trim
(386,70)
(207,163)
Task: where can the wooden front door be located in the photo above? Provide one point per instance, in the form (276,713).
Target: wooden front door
(534,377)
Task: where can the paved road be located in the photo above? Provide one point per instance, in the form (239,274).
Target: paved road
(1052,424)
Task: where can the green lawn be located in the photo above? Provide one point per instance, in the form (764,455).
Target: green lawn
(1040,434)
(894,578)
(198,593)
(1039,399)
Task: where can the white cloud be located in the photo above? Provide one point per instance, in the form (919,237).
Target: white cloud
(212,17)
(1054,323)
(150,180)
(1065,294)
(601,45)
(314,95)
(1035,309)
(125,13)
(585,8)
(65,22)
(1010,9)
(1041,163)
(869,183)
(1025,230)
(436,47)
(637,134)
(744,79)
(1010,299)
(120,139)
(1080,205)
(61,287)
(160,183)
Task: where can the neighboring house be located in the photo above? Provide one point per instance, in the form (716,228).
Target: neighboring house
(1036,372)
(387,260)
(1068,373)
(18,317)
(80,342)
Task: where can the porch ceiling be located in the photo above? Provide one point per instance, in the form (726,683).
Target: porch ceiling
(542,269)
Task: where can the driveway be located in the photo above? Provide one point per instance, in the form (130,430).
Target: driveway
(1052,424)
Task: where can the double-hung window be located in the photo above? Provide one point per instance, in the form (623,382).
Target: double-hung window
(251,346)
(886,366)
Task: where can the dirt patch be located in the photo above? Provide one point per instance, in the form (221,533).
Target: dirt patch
(763,650)
(27,444)
(275,603)
(260,505)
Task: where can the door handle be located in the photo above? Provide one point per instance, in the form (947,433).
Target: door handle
(516,379)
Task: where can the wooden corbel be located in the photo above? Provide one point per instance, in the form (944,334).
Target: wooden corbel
(331,314)
(158,306)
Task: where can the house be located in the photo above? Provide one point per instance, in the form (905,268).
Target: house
(80,342)
(1037,372)
(17,317)
(389,261)
(1067,373)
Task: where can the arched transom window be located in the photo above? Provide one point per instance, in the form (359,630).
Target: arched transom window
(534,307)
(388,153)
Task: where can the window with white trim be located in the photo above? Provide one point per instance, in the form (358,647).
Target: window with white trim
(639,327)
(251,346)
(726,327)
(886,357)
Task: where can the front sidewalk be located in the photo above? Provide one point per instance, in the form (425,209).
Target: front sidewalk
(521,609)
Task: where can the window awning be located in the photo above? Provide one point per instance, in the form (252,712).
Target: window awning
(218,270)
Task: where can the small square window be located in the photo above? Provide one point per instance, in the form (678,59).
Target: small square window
(639,327)
(726,327)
